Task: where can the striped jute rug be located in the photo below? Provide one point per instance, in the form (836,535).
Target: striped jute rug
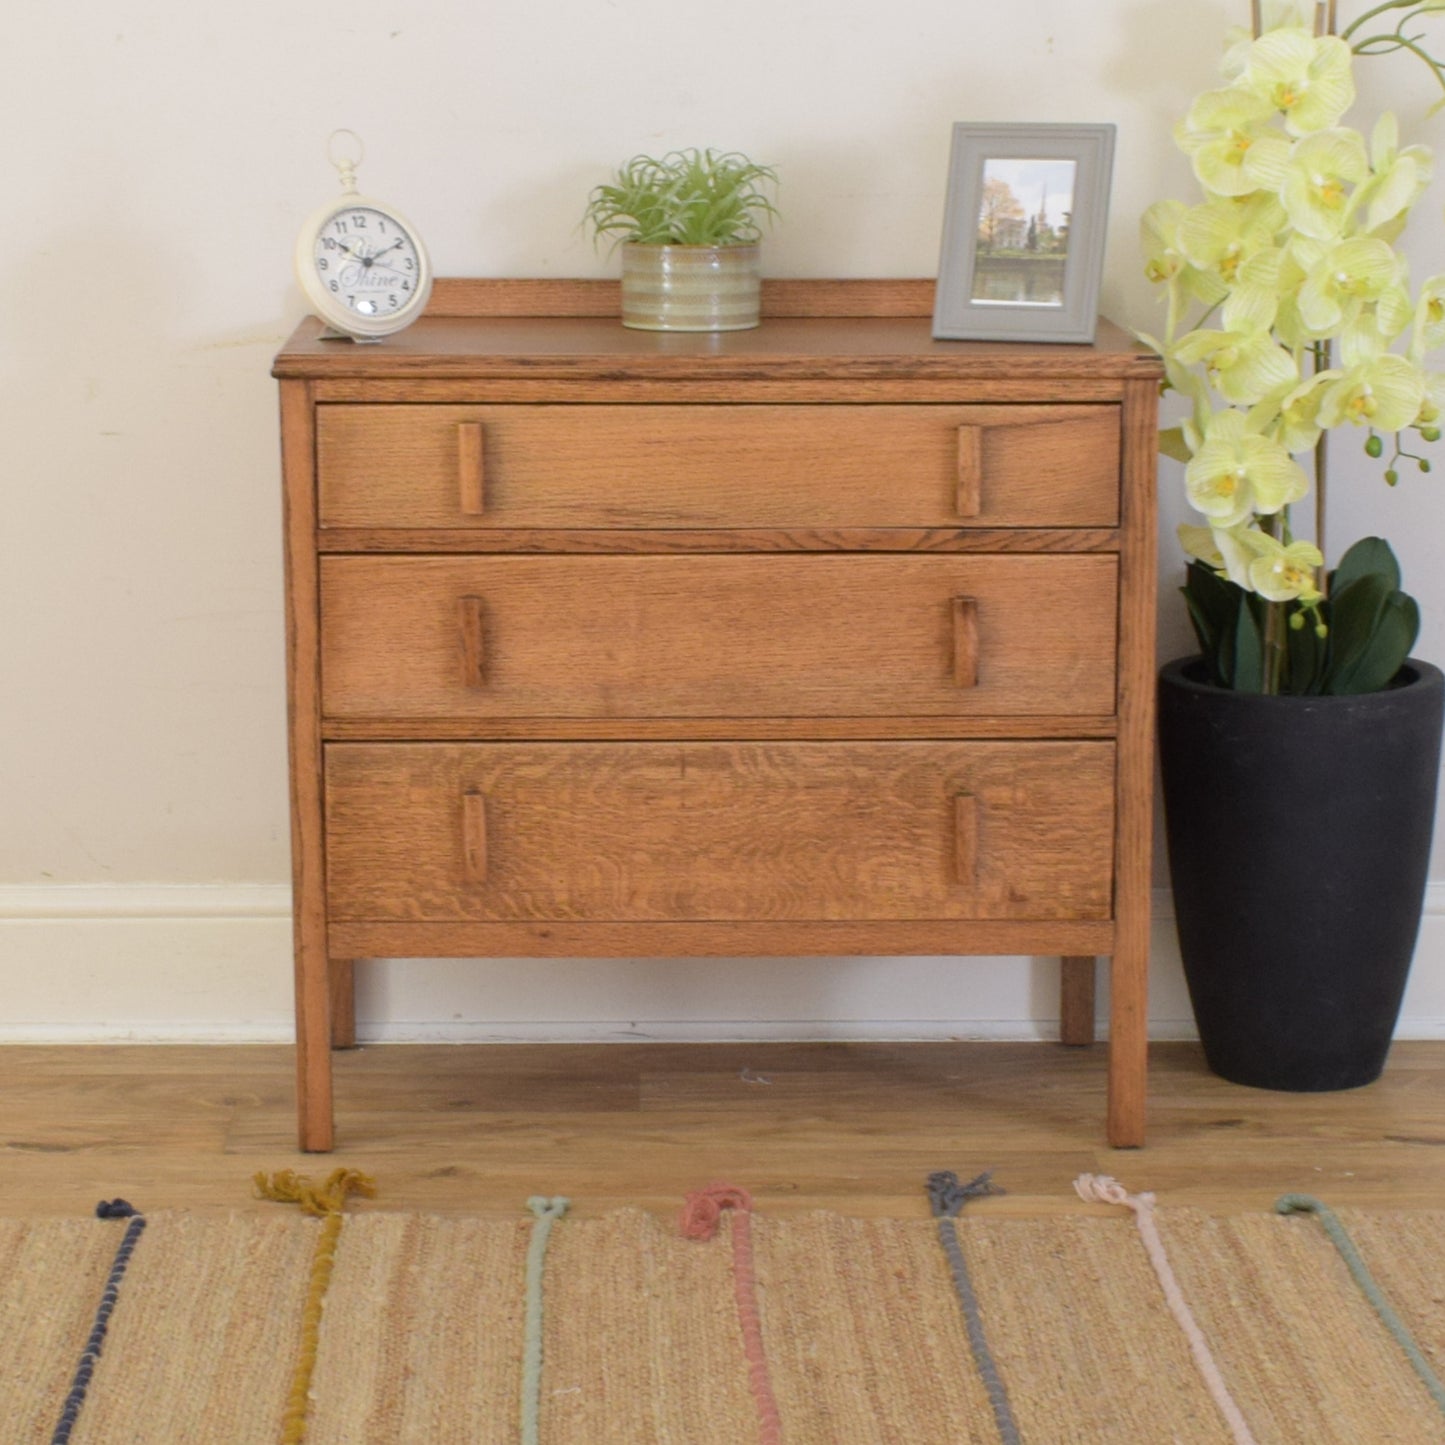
(856,1335)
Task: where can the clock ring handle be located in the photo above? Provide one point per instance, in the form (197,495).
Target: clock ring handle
(346,162)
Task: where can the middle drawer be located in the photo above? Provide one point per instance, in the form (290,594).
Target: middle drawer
(718,636)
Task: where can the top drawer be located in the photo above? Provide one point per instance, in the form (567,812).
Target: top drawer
(685,466)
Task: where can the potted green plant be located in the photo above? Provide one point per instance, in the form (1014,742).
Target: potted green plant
(1300,750)
(690,225)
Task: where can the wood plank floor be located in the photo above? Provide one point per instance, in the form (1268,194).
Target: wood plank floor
(851,1127)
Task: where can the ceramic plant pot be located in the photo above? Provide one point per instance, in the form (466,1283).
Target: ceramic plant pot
(690,288)
(1299,835)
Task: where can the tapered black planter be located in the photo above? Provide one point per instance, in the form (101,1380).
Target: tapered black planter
(1299,837)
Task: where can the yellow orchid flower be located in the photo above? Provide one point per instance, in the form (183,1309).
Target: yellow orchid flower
(1307,78)
(1225,136)
(1429,318)
(1222,236)
(1198,542)
(1280,572)
(1400,176)
(1236,473)
(1343,278)
(1242,366)
(1432,407)
(1316,186)
(1371,330)
(1291,417)
(1165,259)
(1385,392)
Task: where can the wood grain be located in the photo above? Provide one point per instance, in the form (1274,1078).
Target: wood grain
(570,560)
(782,349)
(720,831)
(303,706)
(1077,978)
(614,729)
(848,1126)
(717,466)
(683,540)
(1129,970)
(729,938)
(735,636)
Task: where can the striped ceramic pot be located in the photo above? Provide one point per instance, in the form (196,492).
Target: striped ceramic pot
(690,288)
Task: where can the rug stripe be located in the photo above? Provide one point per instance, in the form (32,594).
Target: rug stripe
(1339,1237)
(1099,1188)
(701,1215)
(326,1203)
(547,1212)
(70,1411)
(947,1197)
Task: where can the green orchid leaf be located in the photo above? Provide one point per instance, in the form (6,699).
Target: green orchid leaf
(1205,633)
(1355,613)
(1395,632)
(1369,556)
(1248,653)
(1214,606)
(1307,654)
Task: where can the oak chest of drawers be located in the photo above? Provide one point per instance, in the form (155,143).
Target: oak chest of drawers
(824,638)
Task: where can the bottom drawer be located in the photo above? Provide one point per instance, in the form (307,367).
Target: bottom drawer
(717,831)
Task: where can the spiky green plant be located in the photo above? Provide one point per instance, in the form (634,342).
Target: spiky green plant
(684,198)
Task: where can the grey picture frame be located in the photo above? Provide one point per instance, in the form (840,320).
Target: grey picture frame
(968,268)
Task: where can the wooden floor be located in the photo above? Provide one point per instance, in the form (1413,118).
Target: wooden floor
(851,1127)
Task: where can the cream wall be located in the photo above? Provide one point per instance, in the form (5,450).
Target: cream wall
(159,160)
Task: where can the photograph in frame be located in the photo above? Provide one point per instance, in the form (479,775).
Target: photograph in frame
(1023,235)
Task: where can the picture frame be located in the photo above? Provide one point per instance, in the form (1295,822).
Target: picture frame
(1023,232)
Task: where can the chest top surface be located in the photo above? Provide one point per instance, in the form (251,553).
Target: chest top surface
(810,330)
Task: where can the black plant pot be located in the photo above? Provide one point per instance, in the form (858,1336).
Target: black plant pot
(1299,837)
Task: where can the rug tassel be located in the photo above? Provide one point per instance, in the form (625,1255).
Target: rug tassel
(702,1212)
(546,1212)
(1354,1262)
(326,1201)
(947,1196)
(286,1186)
(90,1357)
(1101,1189)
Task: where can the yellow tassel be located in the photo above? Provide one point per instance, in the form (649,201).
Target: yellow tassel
(288,1187)
(326,1201)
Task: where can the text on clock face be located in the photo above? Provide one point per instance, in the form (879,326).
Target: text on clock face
(367,261)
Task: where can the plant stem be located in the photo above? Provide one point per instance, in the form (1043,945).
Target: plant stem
(1359,20)
(1322,363)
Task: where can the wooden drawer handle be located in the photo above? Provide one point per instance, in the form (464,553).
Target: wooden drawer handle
(471,612)
(969,500)
(965,642)
(965,839)
(474,835)
(471,476)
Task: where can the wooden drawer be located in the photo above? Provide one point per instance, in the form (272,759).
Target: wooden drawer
(717,830)
(718,636)
(689,466)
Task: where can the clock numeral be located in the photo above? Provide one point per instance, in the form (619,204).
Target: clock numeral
(410,264)
(406,285)
(359,222)
(335,286)
(393,301)
(340,227)
(382,224)
(322,263)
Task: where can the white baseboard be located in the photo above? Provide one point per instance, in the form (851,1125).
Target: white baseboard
(184,963)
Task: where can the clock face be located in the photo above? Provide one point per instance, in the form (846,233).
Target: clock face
(367,263)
